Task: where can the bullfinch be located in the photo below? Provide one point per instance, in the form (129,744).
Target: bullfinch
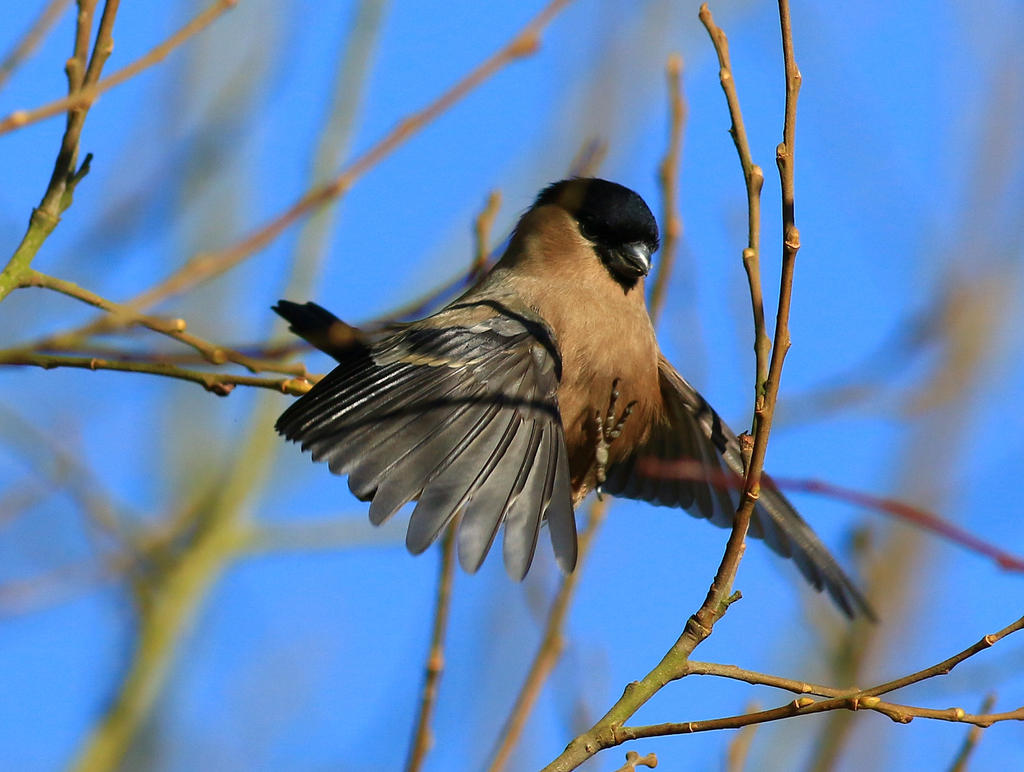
(542,382)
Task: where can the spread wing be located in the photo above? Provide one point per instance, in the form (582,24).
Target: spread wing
(462,417)
(709,486)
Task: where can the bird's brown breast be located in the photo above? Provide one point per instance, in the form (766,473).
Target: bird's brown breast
(598,359)
(603,333)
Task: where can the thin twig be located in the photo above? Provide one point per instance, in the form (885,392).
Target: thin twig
(65,468)
(271,351)
(947,665)
(753,178)
(435,658)
(895,711)
(66,174)
(174,596)
(551,645)
(33,36)
(972,739)
(588,158)
(422,739)
(739,747)
(668,176)
(917,516)
(689,469)
(355,57)
(205,266)
(81,74)
(807,706)
(482,233)
(174,328)
(85,97)
(634,760)
(864,699)
(220,384)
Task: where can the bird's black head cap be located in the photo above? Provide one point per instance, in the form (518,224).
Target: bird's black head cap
(615,218)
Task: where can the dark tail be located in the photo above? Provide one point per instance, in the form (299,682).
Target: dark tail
(320,327)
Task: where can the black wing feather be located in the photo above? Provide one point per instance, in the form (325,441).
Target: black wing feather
(694,432)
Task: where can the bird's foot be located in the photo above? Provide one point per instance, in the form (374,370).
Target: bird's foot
(609,427)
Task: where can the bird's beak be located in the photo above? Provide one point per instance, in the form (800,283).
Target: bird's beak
(634,259)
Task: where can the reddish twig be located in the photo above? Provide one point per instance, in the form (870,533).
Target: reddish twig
(695,470)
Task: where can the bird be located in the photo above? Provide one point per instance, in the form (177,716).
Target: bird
(542,382)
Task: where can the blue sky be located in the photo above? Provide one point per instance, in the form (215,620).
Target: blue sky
(910,177)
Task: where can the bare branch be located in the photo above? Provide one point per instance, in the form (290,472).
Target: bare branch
(842,699)
(482,234)
(753,178)
(174,328)
(551,646)
(972,739)
(668,175)
(634,760)
(66,173)
(422,739)
(220,384)
(739,747)
(93,87)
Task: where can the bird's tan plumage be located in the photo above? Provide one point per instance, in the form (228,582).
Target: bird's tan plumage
(489,409)
(588,312)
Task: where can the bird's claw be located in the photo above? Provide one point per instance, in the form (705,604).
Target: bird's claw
(608,430)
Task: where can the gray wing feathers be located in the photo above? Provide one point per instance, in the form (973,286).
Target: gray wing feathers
(462,419)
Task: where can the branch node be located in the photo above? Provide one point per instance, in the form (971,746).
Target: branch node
(220,389)
(756,178)
(792,237)
(82,171)
(527,45)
